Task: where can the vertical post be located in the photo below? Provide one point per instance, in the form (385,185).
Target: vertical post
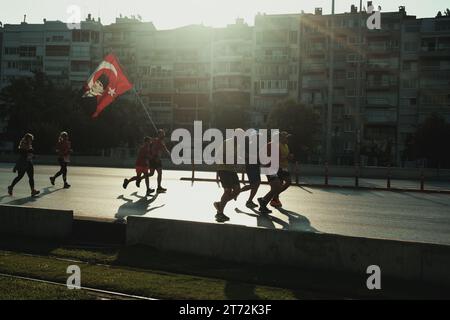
(389,177)
(422,180)
(297,173)
(193,171)
(357,173)
(217,177)
(330,85)
(357,154)
(243,177)
(326,173)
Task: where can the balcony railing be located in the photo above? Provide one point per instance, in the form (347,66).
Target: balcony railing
(314,84)
(274,91)
(376,117)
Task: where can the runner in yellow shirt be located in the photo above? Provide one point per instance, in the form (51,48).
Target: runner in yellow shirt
(281,181)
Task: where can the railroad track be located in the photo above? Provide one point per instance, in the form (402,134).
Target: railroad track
(103,294)
(97,292)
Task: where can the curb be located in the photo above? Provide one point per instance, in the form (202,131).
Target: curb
(331,186)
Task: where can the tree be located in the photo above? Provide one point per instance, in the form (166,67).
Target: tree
(301,122)
(431,141)
(447,12)
(439,14)
(230,117)
(36,105)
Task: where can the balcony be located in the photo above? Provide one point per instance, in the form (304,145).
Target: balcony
(190,90)
(280,58)
(191,74)
(274,91)
(380,102)
(380,67)
(443,51)
(314,84)
(224,88)
(381,85)
(381,116)
(315,67)
(381,49)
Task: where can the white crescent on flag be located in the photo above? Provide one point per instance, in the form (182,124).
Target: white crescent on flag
(103,65)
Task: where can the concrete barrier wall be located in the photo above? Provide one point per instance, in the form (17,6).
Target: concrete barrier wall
(403,260)
(35,222)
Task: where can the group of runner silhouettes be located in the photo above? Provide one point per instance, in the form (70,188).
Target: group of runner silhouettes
(229,179)
(149,160)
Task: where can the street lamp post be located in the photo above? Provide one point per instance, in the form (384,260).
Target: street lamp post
(330,86)
(357,159)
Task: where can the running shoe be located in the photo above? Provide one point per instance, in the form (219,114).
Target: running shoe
(52,180)
(276,203)
(125,183)
(10,190)
(150,191)
(263,206)
(161,190)
(220,217)
(67,186)
(251,205)
(35,193)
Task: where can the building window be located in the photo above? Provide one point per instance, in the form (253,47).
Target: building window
(351,92)
(293,36)
(57,51)
(11,51)
(27,51)
(352,58)
(292,85)
(351,75)
(410,83)
(348,126)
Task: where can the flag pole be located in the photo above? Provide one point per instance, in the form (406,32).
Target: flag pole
(136,93)
(145,109)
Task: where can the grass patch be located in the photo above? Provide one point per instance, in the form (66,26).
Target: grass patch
(143,283)
(18,289)
(240,279)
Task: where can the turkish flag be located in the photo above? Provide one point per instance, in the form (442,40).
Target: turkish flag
(107,83)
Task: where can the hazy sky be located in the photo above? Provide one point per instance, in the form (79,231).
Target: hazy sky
(167,14)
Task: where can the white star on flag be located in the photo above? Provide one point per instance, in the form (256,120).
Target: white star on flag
(111,92)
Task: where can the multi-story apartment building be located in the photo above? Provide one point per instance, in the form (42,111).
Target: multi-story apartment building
(232,62)
(66,56)
(135,44)
(276,51)
(182,74)
(385,82)
(366,82)
(1,46)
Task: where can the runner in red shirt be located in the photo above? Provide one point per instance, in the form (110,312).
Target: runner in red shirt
(158,147)
(63,149)
(142,166)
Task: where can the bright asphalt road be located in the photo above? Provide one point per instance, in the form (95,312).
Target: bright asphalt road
(98,193)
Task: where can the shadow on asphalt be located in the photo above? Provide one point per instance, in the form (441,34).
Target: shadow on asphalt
(297,222)
(135,208)
(23,201)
